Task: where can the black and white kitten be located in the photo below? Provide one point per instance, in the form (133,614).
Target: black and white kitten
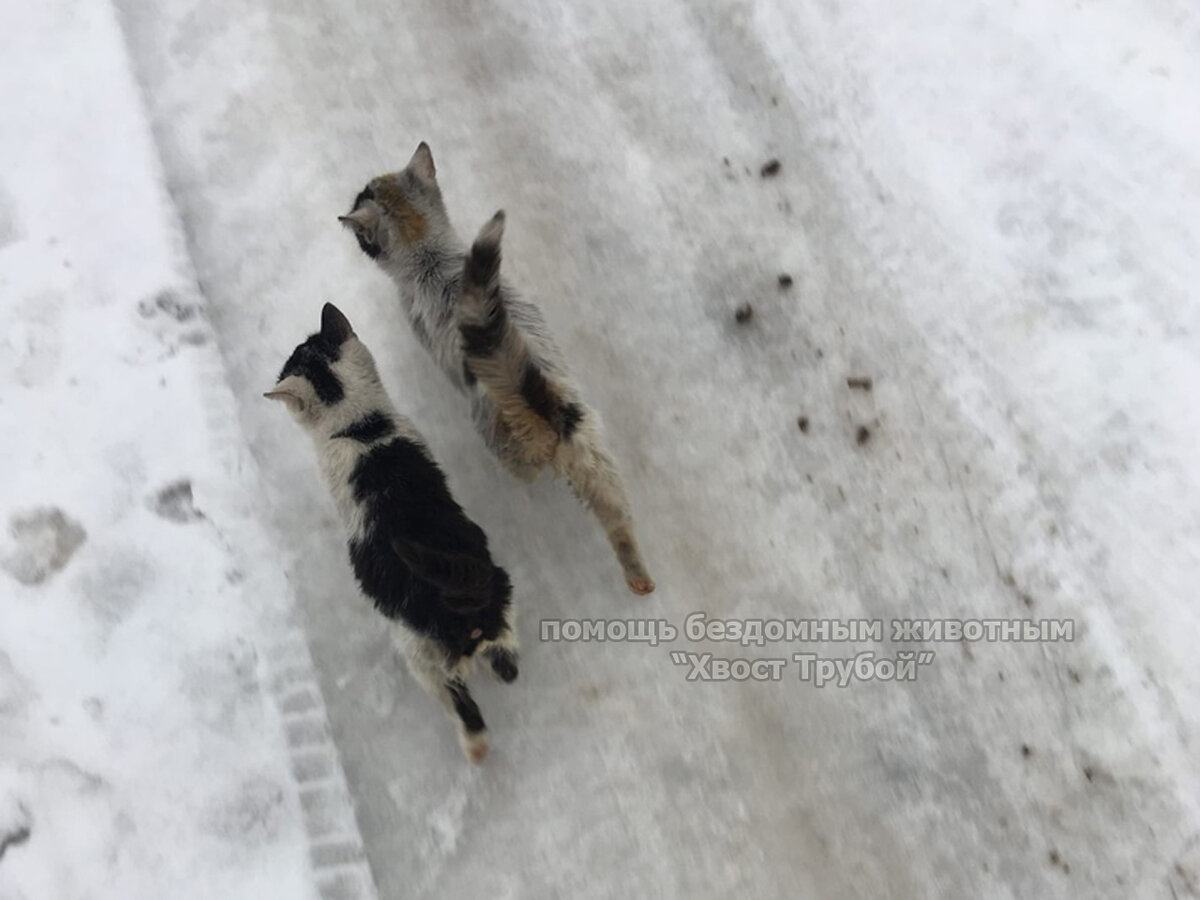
(492,345)
(416,555)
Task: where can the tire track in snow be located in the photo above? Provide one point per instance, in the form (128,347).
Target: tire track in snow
(335,846)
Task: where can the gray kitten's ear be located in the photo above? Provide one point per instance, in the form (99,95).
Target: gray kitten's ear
(334,325)
(422,162)
(363,220)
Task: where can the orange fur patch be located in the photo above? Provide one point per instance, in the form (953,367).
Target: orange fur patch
(537,441)
(536,438)
(411,224)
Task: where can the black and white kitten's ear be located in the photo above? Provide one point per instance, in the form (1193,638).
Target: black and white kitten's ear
(293,391)
(421,163)
(335,327)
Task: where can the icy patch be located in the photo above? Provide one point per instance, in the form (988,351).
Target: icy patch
(45,539)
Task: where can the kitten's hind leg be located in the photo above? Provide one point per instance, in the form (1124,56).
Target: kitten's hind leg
(504,445)
(472,733)
(501,652)
(503,661)
(431,668)
(596,481)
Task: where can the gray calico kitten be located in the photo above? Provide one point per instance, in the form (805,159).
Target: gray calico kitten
(493,346)
(423,563)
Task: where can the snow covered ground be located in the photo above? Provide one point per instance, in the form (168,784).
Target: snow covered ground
(990,210)
(160,732)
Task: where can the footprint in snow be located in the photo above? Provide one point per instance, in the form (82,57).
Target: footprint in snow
(175,502)
(44,540)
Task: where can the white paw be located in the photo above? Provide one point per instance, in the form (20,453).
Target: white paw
(475,746)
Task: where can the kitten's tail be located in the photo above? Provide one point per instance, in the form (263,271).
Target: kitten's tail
(498,354)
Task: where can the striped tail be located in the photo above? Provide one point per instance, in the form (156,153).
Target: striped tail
(498,354)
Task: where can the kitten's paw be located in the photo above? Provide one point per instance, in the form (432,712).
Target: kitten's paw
(636,576)
(641,586)
(474,745)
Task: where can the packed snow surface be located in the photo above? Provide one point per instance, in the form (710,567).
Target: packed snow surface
(973,399)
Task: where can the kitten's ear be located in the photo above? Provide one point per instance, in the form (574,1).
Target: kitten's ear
(334,325)
(293,400)
(422,162)
(295,391)
(363,221)
(367,227)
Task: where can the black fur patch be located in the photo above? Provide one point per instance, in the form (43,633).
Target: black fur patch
(404,496)
(537,392)
(400,465)
(571,416)
(368,429)
(370,248)
(466,581)
(363,196)
(312,360)
(464,705)
(484,340)
(481,266)
(482,262)
(504,663)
